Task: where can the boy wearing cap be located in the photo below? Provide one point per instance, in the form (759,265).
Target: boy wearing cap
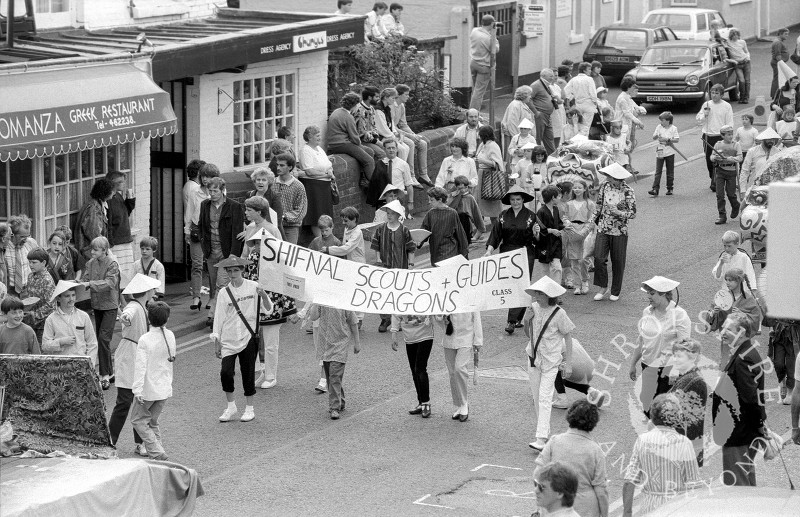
(519,140)
(394,245)
(68,330)
(726,157)
(152,379)
(549,331)
(134,325)
(235,333)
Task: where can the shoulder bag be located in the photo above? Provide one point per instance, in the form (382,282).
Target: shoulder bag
(541,333)
(493,182)
(335,191)
(253,335)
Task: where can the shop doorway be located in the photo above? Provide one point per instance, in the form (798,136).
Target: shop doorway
(506,16)
(167,176)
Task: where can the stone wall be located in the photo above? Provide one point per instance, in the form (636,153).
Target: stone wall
(347,176)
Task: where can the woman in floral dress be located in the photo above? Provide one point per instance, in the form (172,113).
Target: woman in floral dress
(256,210)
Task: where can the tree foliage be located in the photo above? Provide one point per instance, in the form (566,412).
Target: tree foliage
(385,64)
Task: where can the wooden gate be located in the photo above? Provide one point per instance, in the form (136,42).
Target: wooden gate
(506,16)
(167,176)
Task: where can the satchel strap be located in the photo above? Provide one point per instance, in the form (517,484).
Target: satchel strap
(239,312)
(541,333)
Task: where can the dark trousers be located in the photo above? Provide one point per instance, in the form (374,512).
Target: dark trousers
(617,247)
(726,186)
(544,132)
(104,322)
(418,354)
(247,365)
(466,223)
(516,314)
(708,148)
(738,465)
(562,385)
(669,161)
(783,356)
(773,87)
(655,381)
(334,372)
(363,155)
(120,414)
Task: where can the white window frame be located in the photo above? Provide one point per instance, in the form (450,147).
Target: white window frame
(247,151)
(683,3)
(575,23)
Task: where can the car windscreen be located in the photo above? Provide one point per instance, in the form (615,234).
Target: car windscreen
(621,40)
(676,22)
(675,56)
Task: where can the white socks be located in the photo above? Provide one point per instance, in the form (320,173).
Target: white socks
(248,408)
(232,405)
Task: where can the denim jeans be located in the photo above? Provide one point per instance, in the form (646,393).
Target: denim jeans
(725,182)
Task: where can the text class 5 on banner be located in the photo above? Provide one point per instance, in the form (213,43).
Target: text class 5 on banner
(496,282)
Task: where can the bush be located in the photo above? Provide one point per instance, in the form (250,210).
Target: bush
(385,64)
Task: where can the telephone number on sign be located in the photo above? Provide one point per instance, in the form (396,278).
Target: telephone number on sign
(121,121)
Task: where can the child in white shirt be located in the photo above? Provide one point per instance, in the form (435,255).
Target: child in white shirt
(620,144)
(746,135)
(666,134)
(152,379)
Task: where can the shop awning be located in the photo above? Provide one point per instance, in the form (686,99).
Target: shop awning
(61,111)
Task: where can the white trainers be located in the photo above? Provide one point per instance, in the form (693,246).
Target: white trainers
(584,287)
(322,387)
(268,384)
(228,415)
(787,400)
(561,401)
(599,296)
(613,298)
(141,450)
(248,415)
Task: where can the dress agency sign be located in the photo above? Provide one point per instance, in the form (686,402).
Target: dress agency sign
(496,282)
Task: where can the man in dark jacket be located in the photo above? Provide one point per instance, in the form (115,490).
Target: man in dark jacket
(737,408)
(221,220)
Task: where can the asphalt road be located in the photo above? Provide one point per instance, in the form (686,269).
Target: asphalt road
(293,460)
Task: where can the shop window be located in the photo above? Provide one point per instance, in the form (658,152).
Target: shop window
(16,189)
(67,180)
(51,6)
(261,107)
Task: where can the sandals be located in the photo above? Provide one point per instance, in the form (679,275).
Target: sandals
(105,384)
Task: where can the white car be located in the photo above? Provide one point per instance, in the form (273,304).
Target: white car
(688,22)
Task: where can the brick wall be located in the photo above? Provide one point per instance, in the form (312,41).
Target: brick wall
(347,176)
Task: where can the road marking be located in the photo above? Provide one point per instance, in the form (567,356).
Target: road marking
(476,469)
(419,502)
(192,344)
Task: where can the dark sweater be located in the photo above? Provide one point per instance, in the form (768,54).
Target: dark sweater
(119,225)
(342,128)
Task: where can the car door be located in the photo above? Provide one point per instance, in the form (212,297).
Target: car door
(719,72)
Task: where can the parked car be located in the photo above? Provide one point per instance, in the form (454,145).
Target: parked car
(683,71)
(619,46)
(688,22)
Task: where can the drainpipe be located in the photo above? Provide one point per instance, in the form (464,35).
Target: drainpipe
(10,25)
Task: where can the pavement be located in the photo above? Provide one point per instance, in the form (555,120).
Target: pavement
(293,460)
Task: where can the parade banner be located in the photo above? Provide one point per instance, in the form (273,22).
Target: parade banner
(495,282)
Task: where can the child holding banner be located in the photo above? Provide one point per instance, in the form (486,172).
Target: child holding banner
(463,333)
(353,247)
(418,336)
(394,245)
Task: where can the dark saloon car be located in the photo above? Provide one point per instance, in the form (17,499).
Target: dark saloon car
(683,71)
(619,46)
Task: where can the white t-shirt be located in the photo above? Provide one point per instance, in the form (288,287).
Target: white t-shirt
(671,133)
(549,352)
(746,137)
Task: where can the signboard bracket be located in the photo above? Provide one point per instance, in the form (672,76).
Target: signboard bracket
(220,93)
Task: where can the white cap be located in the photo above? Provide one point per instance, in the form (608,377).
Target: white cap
(661,284)
(601,89)
(525,123)
(768,134)
(141,284)
(529,145)
(62,287)
(395,206)
(616,171)
(389,188)
(547,286)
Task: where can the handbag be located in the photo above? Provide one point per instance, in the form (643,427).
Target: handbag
(334,191)
(795,57)
(493,184)
(254,337)
(532,359)
(194,233)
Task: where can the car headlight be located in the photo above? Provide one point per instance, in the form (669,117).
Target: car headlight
(692,80)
